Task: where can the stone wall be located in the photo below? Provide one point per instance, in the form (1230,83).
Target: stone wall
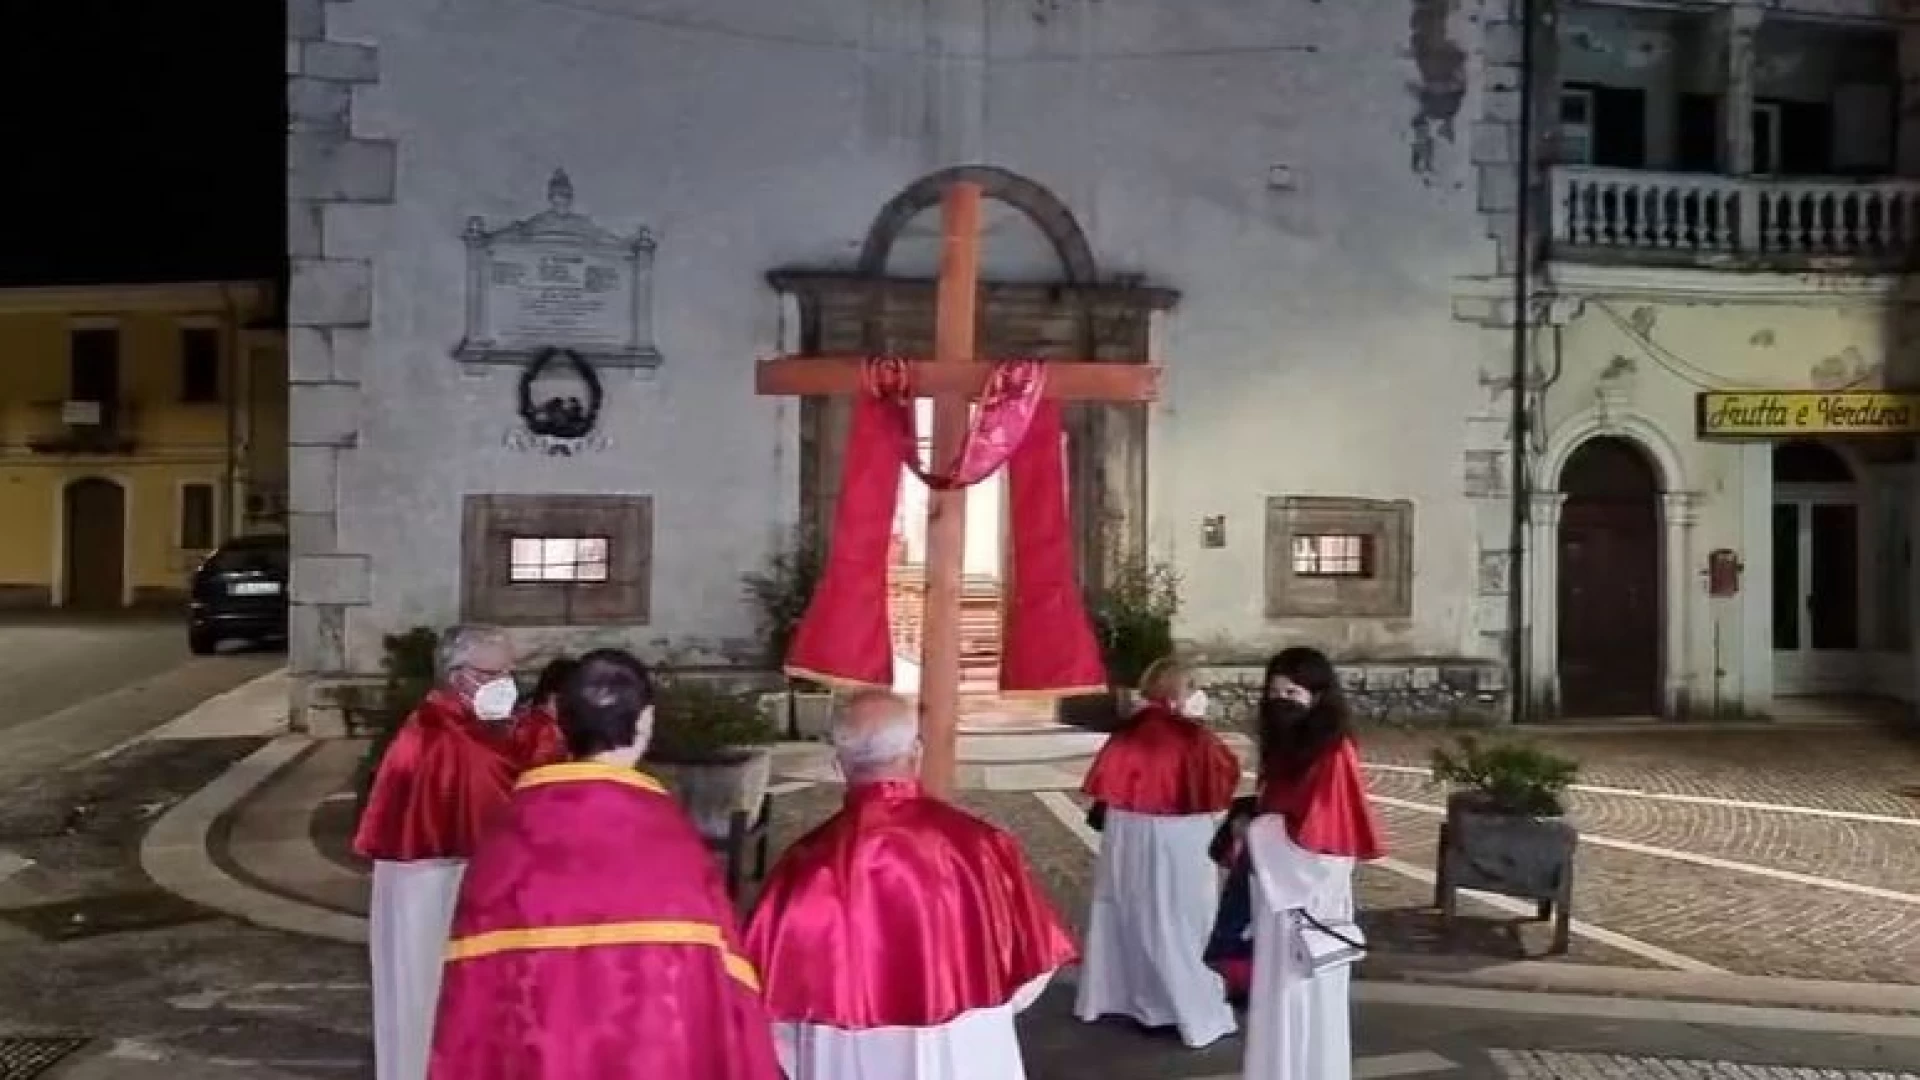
(1421,692)
(1272,171)
(337,181)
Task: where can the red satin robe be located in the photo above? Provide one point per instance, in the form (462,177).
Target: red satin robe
(537,739)
(901,911)
(594,941)
(442,781)
(1326,807)
(1164,764)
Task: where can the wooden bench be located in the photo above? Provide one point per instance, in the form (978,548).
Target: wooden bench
(746,834)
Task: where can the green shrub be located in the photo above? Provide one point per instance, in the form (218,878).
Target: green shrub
(1514,776)
(781,591)
(409,666)
(699,719)
(1133,617)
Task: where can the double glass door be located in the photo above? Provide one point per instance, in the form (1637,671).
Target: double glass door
(1816,595)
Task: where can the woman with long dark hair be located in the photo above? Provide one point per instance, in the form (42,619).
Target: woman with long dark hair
(1286,924)
(1164,779)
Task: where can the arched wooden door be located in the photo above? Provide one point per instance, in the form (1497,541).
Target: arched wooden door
(96,536)
(1609,582)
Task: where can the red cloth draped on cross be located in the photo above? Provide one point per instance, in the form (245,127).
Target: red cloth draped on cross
(1047,644)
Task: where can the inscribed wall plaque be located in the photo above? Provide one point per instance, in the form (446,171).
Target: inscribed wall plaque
(558,280)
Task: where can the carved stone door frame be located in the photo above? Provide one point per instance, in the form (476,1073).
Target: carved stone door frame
(1076,318)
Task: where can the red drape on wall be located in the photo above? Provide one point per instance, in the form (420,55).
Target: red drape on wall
(844,638)
(1048,645)
(1047,642)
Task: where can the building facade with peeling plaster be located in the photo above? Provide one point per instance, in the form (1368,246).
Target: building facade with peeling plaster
(1302,211)
(1724,213)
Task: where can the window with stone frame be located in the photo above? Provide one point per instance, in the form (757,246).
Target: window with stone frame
(557,560)
(1338,557)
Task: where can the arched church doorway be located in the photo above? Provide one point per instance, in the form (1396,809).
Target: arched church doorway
(94,515)
(1609,613)
(1040,298)
(1816,571)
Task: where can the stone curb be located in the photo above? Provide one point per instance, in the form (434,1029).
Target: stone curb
(1550,977)
(176,852)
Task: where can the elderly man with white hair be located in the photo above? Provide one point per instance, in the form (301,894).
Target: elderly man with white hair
(444,778)
(900,938)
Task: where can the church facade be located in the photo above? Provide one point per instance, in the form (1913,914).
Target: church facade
(538,246)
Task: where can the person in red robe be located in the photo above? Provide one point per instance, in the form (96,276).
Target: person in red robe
(1294,871)
(444,778)
(1309,775)
(1161,783)
(900,938)
(538,726)
(593,938)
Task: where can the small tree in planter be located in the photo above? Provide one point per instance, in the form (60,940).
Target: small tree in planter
(712,746)
(408,662)
(780,593)
(1506,830)
(1133,620)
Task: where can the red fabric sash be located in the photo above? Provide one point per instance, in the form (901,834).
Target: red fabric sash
(1047,644)
(995,431)
(844,639)
(1049,647)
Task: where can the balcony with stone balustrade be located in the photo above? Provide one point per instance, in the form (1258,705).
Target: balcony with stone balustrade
(1636,217)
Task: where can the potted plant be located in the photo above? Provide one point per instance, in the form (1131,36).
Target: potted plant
(780,593)
(712,746)
(1133,620)
(1506,830)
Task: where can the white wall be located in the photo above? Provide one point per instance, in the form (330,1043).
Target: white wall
(1313,351)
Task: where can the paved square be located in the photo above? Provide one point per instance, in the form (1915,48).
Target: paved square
(1551,1065)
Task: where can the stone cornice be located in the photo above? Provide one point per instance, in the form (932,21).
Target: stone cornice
(1120,294)
(197,297)
(1657,283)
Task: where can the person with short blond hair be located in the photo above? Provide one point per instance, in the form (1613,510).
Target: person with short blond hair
(1161,782)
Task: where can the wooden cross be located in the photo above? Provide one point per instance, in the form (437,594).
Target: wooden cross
(953,379)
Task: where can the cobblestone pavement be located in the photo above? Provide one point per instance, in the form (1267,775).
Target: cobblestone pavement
(1733,913)
(1852,770)
(1551,1065)
(1058,1047)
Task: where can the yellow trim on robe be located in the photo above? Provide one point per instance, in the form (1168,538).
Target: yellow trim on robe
(573,772)
(606,935)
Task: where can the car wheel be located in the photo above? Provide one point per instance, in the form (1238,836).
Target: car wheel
(202,642)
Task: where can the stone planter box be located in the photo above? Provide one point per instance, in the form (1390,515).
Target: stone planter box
(803,715)
(1098,712)
(1527,858)
(714,789)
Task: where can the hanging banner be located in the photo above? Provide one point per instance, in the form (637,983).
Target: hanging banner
(1775,414)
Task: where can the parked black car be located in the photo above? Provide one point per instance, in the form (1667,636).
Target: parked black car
(240,593)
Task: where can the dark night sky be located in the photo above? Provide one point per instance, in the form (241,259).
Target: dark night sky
(141,140)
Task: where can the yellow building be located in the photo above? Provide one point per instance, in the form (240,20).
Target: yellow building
(140,425)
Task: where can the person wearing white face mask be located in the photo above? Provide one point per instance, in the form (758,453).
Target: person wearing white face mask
(1160,786)
(442,781)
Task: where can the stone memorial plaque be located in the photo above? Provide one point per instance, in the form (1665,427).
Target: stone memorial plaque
(558,280)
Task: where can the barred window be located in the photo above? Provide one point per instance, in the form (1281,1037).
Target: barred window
(1333,555)
(534,559)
